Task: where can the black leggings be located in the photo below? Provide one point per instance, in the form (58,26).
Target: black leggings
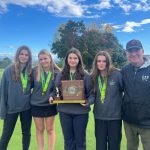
(9,125)
(108,134)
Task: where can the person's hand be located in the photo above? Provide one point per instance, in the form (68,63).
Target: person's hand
(51,100)
(86,104)
(83,104)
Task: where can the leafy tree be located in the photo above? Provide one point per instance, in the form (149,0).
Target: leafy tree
(5,62)
(69,36)
(89,41)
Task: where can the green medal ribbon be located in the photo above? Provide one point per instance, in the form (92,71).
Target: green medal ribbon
(45,82)
(24,80)
(102,87)
(70,76)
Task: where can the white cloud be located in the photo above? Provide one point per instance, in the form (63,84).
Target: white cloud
(66,8)
(117,26)
(130,26)
(58,7)
(78,8)
(3,7)
(104,4)
(92,16)
(11,47)
(129,6)
(125,5)
(145,21)
(143,5)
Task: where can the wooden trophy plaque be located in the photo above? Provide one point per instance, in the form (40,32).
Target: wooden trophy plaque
(72,91)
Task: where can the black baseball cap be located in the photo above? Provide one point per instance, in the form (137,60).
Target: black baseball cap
(134,45)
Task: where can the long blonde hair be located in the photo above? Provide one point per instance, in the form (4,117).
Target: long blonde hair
(16,70)
(52,68)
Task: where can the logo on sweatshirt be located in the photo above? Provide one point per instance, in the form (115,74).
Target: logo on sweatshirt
(112,82)
(145,78)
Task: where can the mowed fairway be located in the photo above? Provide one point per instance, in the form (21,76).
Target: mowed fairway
(15,142)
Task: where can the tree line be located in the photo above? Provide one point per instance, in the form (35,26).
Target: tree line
(88,39)
(5,62)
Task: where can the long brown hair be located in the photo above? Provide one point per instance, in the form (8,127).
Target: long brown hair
(79,70)
(53,66)
(17,65)
(109,66)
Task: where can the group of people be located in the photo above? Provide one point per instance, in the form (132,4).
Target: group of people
(116,95)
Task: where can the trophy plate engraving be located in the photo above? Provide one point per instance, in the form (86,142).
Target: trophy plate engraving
(72,89)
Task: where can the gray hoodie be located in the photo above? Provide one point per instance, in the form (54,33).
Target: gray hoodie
(37,99)
(111,108)
(12,98)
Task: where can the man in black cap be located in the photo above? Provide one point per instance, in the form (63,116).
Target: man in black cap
(136,100)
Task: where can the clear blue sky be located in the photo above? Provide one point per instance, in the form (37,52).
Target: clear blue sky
(35,22)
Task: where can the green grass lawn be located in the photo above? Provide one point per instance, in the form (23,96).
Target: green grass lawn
(1,71)
(15,142)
